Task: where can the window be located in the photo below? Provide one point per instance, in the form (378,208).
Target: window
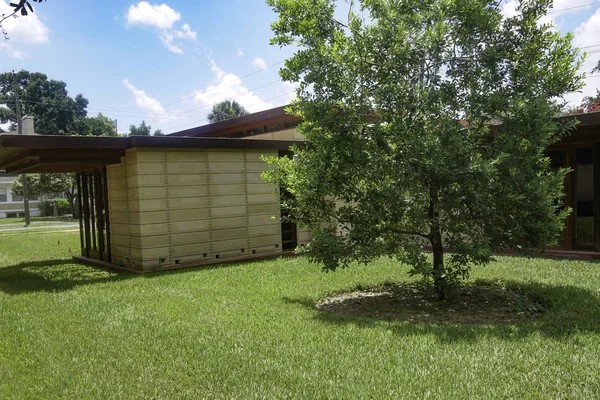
(17,198)
(275,128)
(292,124)
(255,131)
(3,195)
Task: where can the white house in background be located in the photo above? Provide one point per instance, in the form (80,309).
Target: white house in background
(12,206)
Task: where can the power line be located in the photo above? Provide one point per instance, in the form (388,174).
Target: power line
(571,8)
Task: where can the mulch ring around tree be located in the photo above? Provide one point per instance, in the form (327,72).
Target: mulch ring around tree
(476,304)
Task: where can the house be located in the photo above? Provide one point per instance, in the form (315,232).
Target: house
(196,197)
(11,206)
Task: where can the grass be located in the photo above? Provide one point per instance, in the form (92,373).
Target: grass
(19,222)
(252,331)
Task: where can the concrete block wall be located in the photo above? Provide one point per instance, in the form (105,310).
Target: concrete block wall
(170,207)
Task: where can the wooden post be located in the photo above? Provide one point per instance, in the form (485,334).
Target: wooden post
(99,222)
(86,212)
(92,210)
(106,215)
(80,212)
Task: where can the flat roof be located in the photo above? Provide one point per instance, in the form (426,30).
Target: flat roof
(45,153)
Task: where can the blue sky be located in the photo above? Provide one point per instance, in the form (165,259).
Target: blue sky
(167,63)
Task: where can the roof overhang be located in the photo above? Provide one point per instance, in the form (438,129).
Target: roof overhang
(41,154)
(250,121)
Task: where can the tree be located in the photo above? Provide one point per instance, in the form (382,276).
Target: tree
(158,132)
(96,126)
(46,99)
(141,130)
(18,8)
(588,104)
(47,185)
(426,124)
(226,109)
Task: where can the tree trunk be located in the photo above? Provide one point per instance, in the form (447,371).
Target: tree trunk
(71,199)
(440,282)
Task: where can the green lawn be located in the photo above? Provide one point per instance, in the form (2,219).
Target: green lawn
(19,222)
(251,331)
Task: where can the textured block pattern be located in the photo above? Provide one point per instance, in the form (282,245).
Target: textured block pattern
(172,207)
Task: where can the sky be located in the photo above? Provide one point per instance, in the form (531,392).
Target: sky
(168,62)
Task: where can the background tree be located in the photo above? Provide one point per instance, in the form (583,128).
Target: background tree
(226,109)
(96,126)
(158,132)
(141,130)
(388,162)
(45,99)
(47,185)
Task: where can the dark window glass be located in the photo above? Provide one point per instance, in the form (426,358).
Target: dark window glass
(237,134)
(275,128)
(3,195)
(557,158)
(255,131)
(292,124)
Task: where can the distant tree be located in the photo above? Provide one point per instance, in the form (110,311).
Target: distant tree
(140,130)
(49,185)
(387,168)
(96,126)
(19,7)
(596,68)
(226,109)
(48,100)
(158,132)
(588,104)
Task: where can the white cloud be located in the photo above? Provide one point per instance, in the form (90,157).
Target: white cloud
(228,87)
(29,29)
(161,16)
(186,33)
(154,108)
(239,53)
(259,63)
(587,34)
(12,53)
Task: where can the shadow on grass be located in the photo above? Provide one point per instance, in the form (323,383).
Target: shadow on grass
(53,276)
(569,310)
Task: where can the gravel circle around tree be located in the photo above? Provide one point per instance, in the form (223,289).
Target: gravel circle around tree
(475,304)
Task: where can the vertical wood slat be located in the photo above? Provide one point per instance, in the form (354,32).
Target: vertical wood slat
(107,217)
(92,210)
(98,204)
(80,214)
(86,212)
(573,190)
(596,175)
(569,196)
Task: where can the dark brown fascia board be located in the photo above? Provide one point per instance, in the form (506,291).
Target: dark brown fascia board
(63,142)
(239,122)
(112,144)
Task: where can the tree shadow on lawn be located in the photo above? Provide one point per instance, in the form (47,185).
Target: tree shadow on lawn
(53,276)
(555,311)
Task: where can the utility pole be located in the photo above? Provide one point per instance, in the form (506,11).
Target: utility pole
(20,132)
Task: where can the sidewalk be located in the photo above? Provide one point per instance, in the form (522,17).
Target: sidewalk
(49,226)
